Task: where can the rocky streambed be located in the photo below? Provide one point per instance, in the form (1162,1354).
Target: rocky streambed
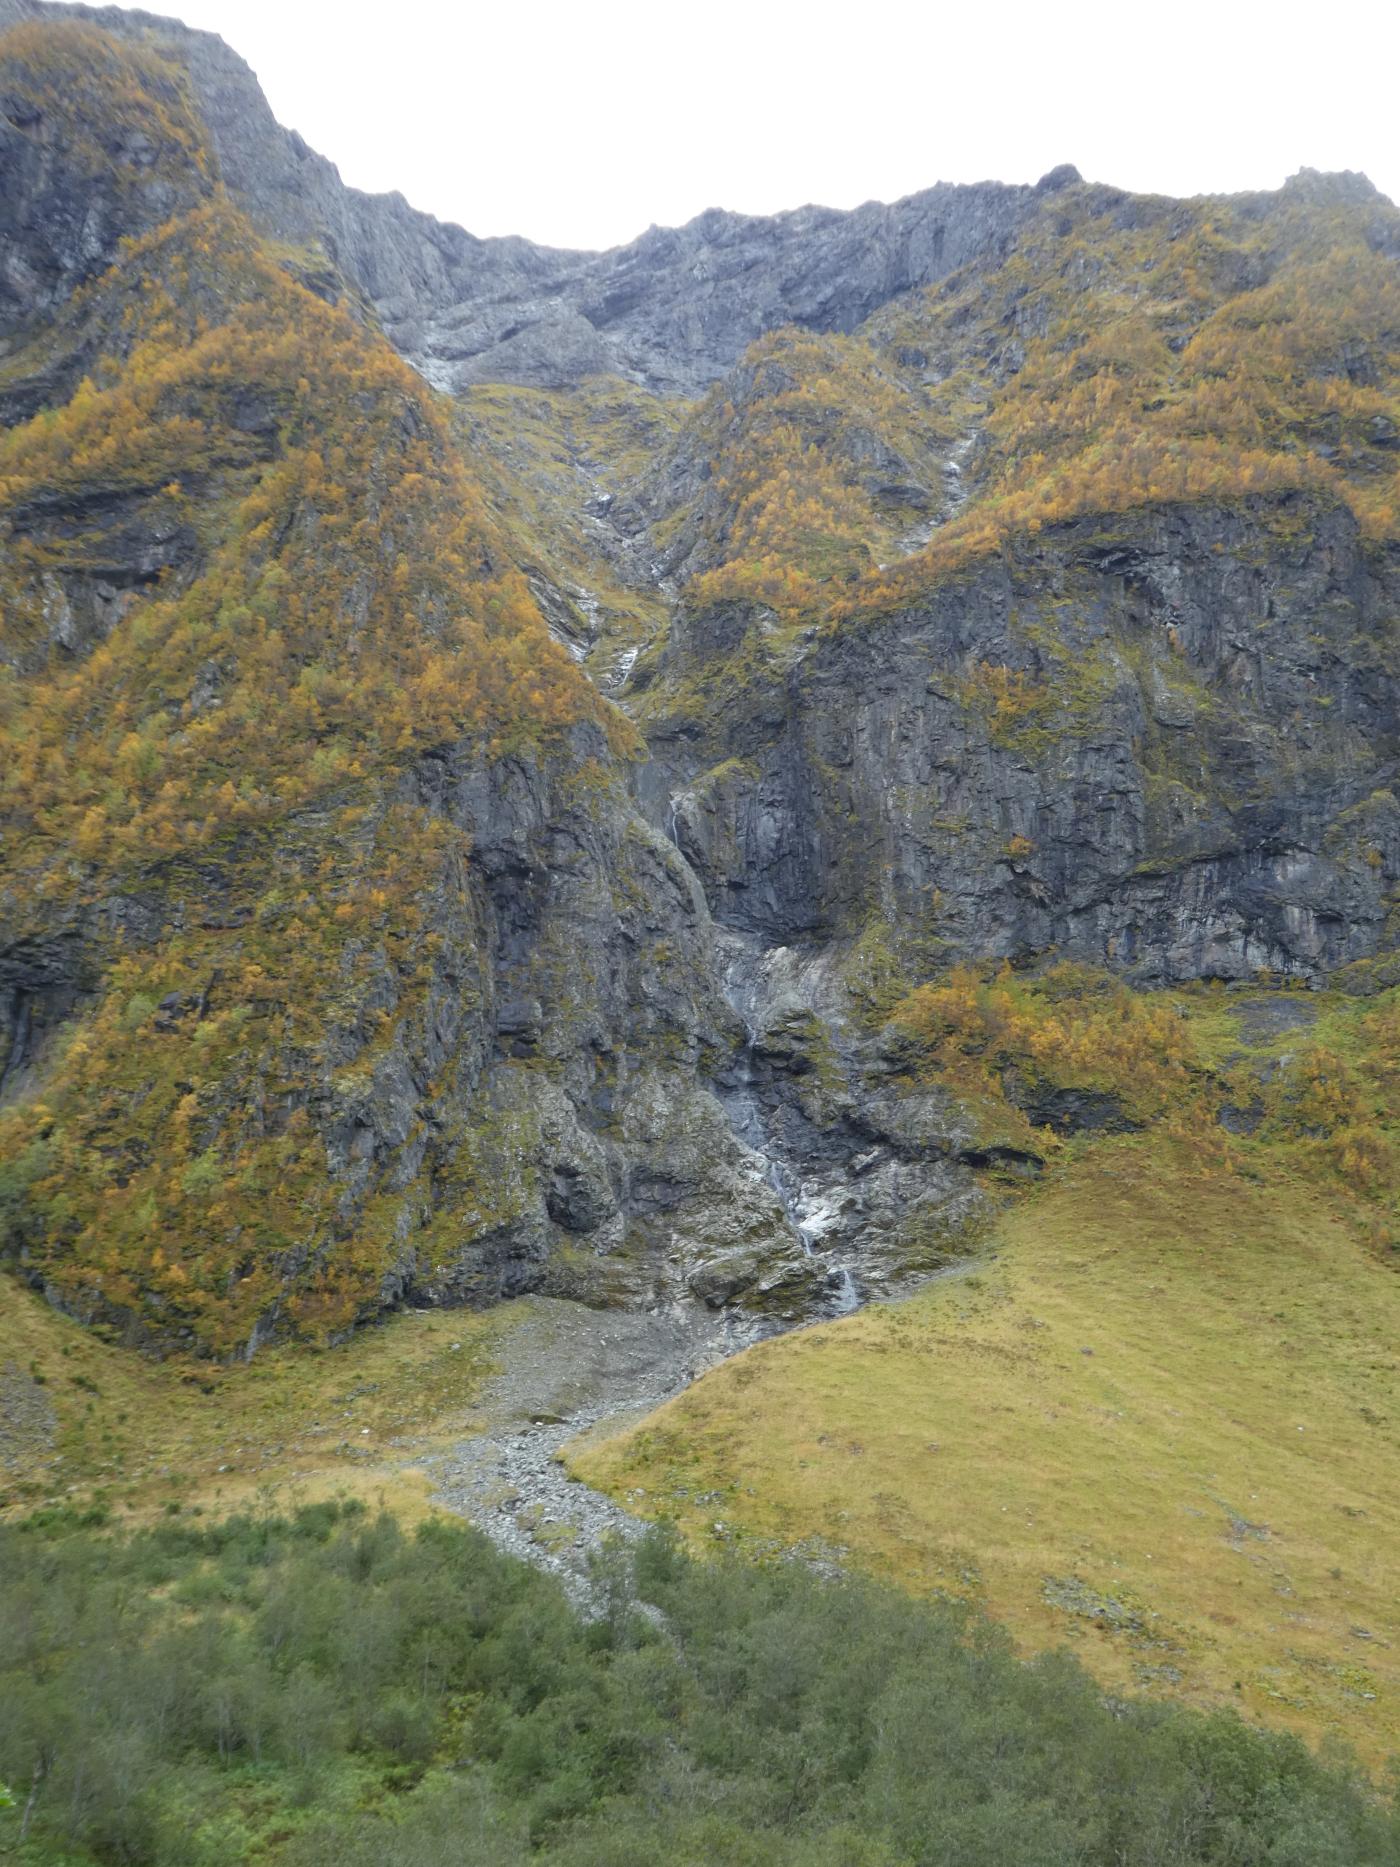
(566,1370)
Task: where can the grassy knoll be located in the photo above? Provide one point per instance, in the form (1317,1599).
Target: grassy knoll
(1161,1425)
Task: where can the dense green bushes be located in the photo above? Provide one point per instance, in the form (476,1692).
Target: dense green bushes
(331,1690)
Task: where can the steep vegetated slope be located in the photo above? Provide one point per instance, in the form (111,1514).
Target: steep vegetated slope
(1154,1416)
(723,772)
(325,909)
(1098,547)
(1154,1419)
(1046,610)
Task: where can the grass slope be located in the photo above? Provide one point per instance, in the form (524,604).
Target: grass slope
(96,1427)
(1161,1424)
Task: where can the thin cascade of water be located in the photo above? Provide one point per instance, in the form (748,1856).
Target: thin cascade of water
(622,670)
(809,1215)
(848,1296)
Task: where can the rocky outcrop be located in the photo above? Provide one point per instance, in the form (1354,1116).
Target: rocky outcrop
(86,162)
(579,1063)
(615,1037)
(1192,777)
(674,309)
(874,1171)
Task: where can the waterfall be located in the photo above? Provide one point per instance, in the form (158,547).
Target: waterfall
(621,670)
(848,1296)
(810,1214)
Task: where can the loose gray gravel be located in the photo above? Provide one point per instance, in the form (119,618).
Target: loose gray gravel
(568,1369)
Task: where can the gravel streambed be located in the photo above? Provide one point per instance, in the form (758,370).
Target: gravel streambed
(567,1370)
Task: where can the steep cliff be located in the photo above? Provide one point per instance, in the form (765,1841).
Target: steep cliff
(1008,575)
(338,969)
(1056,611)
(1165,744)
(672,310)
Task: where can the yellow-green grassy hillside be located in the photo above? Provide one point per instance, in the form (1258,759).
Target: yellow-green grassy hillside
(1160,1423)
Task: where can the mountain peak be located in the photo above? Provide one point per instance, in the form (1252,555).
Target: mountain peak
(1065,176)
(1332,185)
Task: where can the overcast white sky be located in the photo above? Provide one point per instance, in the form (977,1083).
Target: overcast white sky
(581,124)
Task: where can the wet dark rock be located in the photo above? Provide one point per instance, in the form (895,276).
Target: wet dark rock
(520,1022)
(790,1041)
(1012,1160)
(1207,793)
(1072,1111)
(575,1200)
(1241,1118)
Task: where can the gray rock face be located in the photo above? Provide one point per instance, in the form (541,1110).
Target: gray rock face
(638,1057)
(1200,783)
(579,1060)
(673,309)
(68,201)
(677,307)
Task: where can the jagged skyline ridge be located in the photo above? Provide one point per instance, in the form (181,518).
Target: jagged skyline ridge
(607,125)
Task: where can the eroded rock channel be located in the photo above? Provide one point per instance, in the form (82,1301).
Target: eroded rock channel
(568,1372)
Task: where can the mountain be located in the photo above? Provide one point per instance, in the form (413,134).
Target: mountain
(522,768)
(672,311)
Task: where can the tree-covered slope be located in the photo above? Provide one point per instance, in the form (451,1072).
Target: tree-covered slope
(304,810)
(325,1688)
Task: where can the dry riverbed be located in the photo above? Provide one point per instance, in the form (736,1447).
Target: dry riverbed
(567,1372)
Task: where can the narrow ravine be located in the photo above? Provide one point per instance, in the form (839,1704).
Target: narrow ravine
(569,1371)
(955,496)
(746,981)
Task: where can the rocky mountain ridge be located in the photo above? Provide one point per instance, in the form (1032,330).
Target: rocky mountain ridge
(1029,597)
(672,310)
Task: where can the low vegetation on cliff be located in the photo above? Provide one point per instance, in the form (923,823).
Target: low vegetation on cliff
(1164,355)
(320,597)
